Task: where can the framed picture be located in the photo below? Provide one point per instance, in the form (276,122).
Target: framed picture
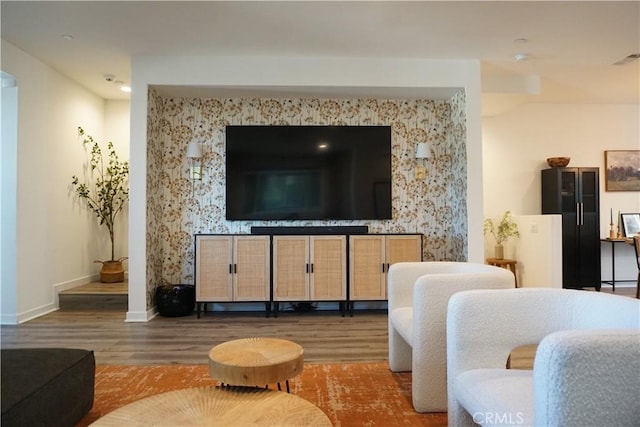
(622,170)
(630,224)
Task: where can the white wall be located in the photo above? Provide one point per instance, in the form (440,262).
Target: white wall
(517,143)
(237,72)
(57,238)
(117,130)
(8,196)
(536,267)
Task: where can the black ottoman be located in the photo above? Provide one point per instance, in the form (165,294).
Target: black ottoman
(175,300)
(47,386)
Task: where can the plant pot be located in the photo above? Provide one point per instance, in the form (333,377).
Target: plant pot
(499,252)
(112,271)
(175,300)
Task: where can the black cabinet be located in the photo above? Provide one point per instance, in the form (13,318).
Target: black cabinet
(574,193)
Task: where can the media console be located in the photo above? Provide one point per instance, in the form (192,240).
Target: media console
(299,264)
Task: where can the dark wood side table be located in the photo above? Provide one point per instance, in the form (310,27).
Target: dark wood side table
(613,242)
(509,264)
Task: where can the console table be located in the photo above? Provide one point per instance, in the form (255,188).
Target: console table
(299,264)
(613,242)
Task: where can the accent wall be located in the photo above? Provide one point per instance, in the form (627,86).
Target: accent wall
(178,208)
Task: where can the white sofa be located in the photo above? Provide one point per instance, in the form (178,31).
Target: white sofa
(418,293)
(586,370)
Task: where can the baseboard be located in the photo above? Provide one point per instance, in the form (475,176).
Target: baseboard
(141,316)
(60,287)
(623,283)
(8,319)
(36,312)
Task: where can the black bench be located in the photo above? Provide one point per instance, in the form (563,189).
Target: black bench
(46,386)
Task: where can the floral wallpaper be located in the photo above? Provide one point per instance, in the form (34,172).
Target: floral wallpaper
(178,208)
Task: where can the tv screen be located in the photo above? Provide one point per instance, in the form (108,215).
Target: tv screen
(308,172)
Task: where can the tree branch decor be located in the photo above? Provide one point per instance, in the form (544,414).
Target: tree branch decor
(506,228)
(108,191)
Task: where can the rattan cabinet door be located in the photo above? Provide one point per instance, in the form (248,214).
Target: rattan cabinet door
(214,281)
(291,268)
(403,249)
(366,268)
(251,268)
(328,280)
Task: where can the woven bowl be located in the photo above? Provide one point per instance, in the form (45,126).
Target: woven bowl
(558,162)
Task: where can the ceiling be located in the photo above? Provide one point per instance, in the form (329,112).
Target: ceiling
(571,46)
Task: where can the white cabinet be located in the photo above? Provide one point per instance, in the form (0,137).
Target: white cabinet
(232,269)
(371,255)
(309,268)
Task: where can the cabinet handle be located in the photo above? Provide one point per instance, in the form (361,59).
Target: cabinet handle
(230,268)
(581,213)
(577,214)
(235,268)
(383,267)
(307,266)
(311,268)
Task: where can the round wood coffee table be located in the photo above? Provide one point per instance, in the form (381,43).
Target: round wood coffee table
(217,406)
(256,361)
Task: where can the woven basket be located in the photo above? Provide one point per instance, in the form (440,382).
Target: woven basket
(112,271)
(558,162)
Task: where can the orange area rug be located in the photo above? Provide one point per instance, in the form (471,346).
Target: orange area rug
(352,394)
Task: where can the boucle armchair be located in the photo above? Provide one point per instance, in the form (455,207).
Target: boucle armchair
(418,293)
(586,367)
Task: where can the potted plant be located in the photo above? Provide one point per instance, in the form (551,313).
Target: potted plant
(105,194)
(506,228)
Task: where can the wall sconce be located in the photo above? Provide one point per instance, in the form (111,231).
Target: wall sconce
(194,154)
(422,153)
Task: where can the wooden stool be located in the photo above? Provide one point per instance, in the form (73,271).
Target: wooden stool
(255,361)
(509,264)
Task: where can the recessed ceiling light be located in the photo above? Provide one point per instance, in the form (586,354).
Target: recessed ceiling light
(521,57)
(521,40)
(67,36)
(122,86)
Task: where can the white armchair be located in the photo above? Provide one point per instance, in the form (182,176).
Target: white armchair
(586,369)
(418,293)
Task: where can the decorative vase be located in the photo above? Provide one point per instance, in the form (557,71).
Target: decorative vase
(499,252)
(112,271)
(175,300)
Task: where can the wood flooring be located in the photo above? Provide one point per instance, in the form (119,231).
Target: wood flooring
(325,335)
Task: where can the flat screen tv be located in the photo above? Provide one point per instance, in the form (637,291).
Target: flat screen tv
(308,172)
